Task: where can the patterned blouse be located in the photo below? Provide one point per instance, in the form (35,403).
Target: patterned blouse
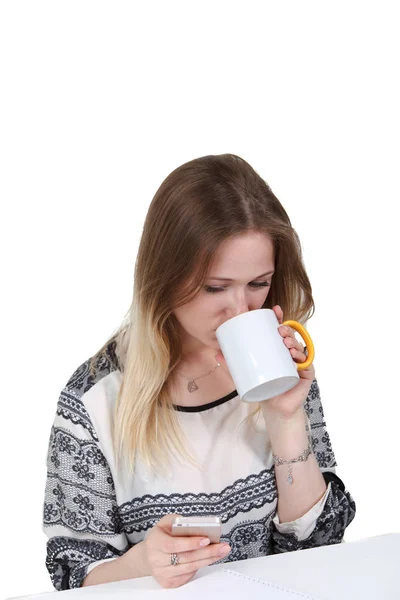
(94,512)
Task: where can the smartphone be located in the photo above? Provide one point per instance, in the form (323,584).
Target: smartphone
(203,526)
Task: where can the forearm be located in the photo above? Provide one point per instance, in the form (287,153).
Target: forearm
(289,439)
(129,566)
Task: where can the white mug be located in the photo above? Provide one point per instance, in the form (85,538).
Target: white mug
(258,360)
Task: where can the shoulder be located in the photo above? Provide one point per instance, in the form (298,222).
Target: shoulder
(91,390)
(93,370)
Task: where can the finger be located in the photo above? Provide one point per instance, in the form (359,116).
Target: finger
(278,312)
(192,567)
(166,522)
(307,374)
(214,551)
(177,544)
(164,527)
(299,350)
(298,355)
(163,540)
(286,331)
(292,342)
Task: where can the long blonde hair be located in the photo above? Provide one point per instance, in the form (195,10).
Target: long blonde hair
(198,206)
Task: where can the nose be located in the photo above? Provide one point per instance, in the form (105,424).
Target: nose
(237,305)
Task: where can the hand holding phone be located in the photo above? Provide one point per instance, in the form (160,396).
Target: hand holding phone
(199,526)
(176,547)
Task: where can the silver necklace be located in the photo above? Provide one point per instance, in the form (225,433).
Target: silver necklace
(192,386)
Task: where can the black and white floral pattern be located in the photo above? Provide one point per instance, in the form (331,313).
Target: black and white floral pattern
(320,441)
(338,512)
(243,496)
(250,539)
(80,491)
(68,559)
(70,407)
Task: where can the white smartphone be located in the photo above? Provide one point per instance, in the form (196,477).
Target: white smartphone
(203,526)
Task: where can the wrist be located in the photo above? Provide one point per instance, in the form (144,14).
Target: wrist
(134,562)
(286,419)
(288,436)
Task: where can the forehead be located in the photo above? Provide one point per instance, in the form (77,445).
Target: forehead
(248,251)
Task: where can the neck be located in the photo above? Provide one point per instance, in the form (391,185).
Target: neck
(195,364)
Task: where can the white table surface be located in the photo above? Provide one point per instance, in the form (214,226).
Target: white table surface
(367,569)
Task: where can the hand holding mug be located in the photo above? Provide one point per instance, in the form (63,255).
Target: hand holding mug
(290,402)
(266,361)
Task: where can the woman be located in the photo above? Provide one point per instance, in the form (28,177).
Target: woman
(152,426)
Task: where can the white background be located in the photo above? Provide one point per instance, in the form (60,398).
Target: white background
(100,101)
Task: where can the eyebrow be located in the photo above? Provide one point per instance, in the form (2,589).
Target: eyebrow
(227,279)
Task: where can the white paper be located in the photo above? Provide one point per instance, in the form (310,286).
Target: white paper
(236,586)
(209,586)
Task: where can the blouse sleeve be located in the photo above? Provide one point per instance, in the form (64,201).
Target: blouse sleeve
(324,523)
(80,515)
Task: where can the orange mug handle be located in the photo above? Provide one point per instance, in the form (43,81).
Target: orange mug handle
(308,342)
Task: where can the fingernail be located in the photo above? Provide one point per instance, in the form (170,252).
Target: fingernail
(204,542)
(225,549)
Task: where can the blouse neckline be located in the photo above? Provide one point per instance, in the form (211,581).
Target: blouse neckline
(208,406)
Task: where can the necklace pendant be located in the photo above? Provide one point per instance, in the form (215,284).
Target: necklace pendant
(192,387)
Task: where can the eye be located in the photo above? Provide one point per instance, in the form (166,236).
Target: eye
(215,290)
(260,284)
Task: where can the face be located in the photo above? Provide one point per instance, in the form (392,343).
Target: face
(238,281)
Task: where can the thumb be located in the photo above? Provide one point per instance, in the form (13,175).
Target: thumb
(166,522)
